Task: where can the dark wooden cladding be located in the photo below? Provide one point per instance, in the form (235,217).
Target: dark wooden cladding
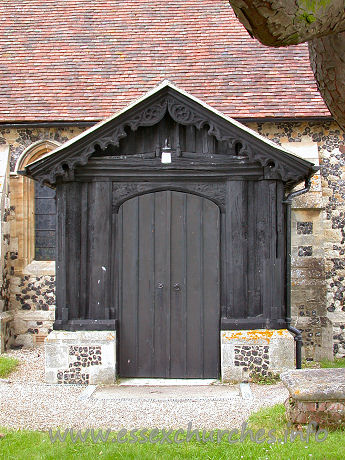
(121,187)
(255,241)
(252,239)
(84,254)
(169,307)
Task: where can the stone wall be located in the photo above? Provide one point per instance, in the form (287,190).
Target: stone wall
(318,236)
(6,329)
(32,291)
(33,302)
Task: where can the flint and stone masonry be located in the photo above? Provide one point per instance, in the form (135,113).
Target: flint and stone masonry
(247,354)
(81,357)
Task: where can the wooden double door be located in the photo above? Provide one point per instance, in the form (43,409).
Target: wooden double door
(168,286)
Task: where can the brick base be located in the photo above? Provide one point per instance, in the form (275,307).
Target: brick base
(326,414)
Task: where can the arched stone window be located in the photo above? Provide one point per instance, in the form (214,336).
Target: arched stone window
(33,228)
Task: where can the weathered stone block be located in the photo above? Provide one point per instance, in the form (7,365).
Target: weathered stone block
(81,357)
(315,384)
(247,353)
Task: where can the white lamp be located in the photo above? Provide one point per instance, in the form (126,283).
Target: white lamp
(166,153)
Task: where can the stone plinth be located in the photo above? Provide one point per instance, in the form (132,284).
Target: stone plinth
(316,395)
(264,352)
(81,357)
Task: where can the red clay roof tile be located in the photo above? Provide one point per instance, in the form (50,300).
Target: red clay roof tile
(80,60)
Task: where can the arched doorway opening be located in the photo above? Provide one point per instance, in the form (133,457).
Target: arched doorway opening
(169,286)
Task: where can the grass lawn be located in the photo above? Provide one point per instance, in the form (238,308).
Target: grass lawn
(324,363)
(37,445)
(7,365)
(338,362)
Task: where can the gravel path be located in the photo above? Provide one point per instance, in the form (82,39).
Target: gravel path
(27,402)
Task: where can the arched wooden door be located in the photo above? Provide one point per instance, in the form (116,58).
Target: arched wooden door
(169,279)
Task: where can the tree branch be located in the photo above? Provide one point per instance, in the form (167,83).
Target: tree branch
(289,22)
(327,59)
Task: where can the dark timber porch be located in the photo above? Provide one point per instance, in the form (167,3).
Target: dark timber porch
(170,253)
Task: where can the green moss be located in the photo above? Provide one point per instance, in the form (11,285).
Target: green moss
(309,18)
(309,8)
(314,5)
(271,379)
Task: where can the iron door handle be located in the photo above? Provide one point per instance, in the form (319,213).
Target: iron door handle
(177,287)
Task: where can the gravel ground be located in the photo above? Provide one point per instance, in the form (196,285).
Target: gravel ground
(27,402)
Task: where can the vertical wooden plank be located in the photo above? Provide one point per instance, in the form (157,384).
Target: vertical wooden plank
(194,293)
(267,286)
(212,142)
(129,297)
(205,148)
(211,288)
(178,363)
(262,215)
(280,221)
(190,139)
(73,228)
(251,257)
(272,229)
(254,264)
(162,285)
(84,249)
(198,140)
(277,310)
(281,242)
(262,244)
(61,260)
(224,282)
(119,293)
(272,289)
(100,212)
(145,317)
(277,281)
(236,236)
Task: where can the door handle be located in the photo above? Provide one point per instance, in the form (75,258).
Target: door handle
(160,285)
(177,287)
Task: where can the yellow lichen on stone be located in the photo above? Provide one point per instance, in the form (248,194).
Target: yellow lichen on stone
(253,335)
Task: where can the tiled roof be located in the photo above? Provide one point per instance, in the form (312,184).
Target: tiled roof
(79,60)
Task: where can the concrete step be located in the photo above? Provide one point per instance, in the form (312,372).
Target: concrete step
(173,392)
